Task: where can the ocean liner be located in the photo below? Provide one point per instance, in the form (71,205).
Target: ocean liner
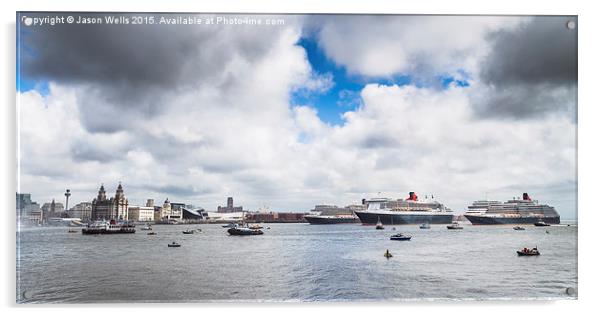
(408,211)
(332,214)
(516,211)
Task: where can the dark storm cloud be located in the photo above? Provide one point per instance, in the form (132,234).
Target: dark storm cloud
(531,70)
(134,70)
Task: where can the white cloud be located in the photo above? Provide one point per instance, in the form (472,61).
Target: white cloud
(421,45)
(238,135)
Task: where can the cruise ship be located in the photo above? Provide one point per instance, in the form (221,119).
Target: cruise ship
(332,214)
(408,211)
(516,211)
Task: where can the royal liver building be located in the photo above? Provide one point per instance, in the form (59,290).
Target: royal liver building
(113,208)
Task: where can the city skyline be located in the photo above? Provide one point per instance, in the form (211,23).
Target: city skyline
(320,110)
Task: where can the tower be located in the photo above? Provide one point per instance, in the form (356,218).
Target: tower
(67,195)
(120,204)
(102,194)
(230,203)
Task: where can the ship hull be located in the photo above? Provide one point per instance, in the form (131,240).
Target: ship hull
(487,220)
(371,218)
(321,220)
(107,232)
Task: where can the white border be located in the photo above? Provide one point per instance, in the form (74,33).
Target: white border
(588,162)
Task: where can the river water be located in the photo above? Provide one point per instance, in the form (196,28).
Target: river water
(295,262)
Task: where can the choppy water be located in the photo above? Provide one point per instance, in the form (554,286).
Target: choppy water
(296,262)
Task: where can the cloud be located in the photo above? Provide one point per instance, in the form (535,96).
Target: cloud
(128,72)
(382,46)
(531,70)
(219,122)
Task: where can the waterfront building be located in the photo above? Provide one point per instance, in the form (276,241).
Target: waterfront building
(171,213)
(229,208)
(141,213)
(222,217)
(25,204)
(192,214)
(276,217)
(52,209)
(28,210)
(113,208)
(82,210)
(157,213)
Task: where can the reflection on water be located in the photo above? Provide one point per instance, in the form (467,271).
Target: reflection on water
(296,262)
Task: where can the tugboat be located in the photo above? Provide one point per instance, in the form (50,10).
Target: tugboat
(541,224)
(528,252)
(379,225)
(244,231)
(400,236)
(188,232)
(425,226)
(454,225)
(518,228)
(173,244)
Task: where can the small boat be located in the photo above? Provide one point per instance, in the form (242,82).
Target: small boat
(400,236)
(147,227)
(199,230)
(388,254)
(188,231)
(173,244)
(229,225)
(425,226)
(541,223)
(71,230)
(379,224)
(255,226)
(528,252)
(244,231)
(518,228)
(151,233)
(454,225)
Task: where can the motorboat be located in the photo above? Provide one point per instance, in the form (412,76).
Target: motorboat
(244,231)
(151,233)
(528,252)
(71,230)
(425,226)
(518,228)
(454,225)
(229,225)
(147,227)
(255,226)
(188,231)
(173,244)
(400,236)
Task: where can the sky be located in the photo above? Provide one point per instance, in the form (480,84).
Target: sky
(322,109)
